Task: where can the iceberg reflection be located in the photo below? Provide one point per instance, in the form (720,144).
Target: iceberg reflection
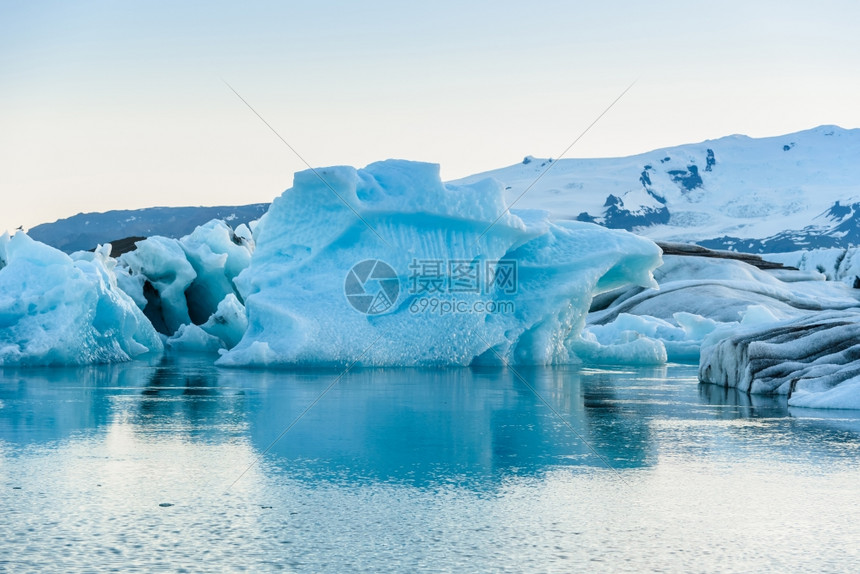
(472,427)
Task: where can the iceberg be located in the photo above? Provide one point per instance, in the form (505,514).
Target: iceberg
(774,331)
(185,286)
(701,297)
(387,265)
(184,280)
(834,263)
(722,290)
(57,309)
(813,360)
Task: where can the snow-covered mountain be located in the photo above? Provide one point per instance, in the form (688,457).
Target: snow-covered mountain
(776,194)
(87,230)
(797,191)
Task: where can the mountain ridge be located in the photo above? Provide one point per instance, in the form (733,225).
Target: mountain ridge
(791,191)
(738,193)
(87,230)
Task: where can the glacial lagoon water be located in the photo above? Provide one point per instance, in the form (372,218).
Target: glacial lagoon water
(175,464)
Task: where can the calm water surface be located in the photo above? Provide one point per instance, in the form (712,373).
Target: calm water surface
(164,465)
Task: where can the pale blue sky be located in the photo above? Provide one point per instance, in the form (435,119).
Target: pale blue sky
(109,105)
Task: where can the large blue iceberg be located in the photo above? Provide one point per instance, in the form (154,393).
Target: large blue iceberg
(387,265)
(384,266)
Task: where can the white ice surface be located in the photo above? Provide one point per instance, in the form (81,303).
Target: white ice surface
(846,395)
(698,296)
(835,264)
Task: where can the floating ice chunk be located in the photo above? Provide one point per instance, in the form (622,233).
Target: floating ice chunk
(399,213)
(62,310)
(836,264)
(723,290)
(758,315)
(709,298)
(222,330)
(618,347)
(807,359)
(193,338)
(647,326)
(846,395)
(628,340)
(695,327)
(680,341)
